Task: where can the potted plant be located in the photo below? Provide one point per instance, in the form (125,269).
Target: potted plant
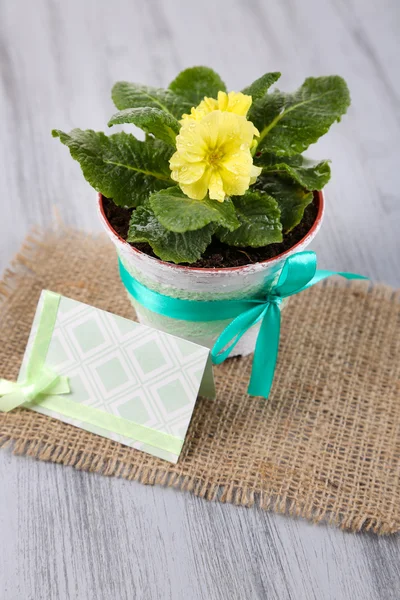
(210,204)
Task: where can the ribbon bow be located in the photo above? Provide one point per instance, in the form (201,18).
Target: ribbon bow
(39,378)
(299,272)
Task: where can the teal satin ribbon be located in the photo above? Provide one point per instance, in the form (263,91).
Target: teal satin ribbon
(299,273)
(39,378)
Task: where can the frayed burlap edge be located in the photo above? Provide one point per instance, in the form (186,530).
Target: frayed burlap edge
(239,496)
(247,496)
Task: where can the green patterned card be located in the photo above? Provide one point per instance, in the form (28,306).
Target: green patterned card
(128,382)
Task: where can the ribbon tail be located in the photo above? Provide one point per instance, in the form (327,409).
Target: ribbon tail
(10,395)
(230,336)
(266,353)
(61,386)
(322,274)
(12,400)
(7,387)
(13,394)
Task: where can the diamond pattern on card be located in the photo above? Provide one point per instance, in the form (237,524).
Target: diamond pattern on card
(126,369)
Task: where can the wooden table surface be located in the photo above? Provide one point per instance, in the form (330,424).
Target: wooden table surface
(71,535)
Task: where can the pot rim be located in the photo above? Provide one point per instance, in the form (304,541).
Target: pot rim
(269,261)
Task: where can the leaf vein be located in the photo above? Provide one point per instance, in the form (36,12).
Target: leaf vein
(275,121)
(150,173)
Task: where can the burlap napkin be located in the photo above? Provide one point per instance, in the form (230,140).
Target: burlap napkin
(325,446)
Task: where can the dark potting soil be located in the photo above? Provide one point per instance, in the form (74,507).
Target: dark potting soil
(218,255)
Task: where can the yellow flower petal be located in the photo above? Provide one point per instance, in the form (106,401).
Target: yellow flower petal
(190,173)
(254,173)
(213,154)
(197,190)
(227,129)
(196,114)
(208,104)
(238,163)
(222,100)
(216,187)
(235,185)
(234,102)
(191,142)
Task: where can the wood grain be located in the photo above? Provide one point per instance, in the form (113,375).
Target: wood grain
(71,535)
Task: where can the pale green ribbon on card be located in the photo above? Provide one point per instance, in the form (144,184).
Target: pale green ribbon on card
(112,423)
(39,379)
(44,387)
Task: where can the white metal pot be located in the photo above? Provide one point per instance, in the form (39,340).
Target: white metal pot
(185,282)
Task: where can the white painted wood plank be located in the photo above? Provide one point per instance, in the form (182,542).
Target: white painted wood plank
(75,535)
(67,534)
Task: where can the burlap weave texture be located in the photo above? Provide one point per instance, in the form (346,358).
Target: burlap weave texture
(325,446)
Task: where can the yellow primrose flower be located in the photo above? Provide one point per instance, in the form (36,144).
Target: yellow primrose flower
(213,155)
(234,102)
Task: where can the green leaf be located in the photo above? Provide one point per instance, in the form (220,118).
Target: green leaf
(308,173)
(134,95)
(152,120)
(260,86)
(195,83)
(289,123)
(120,166)
(292,199)
(176,212)
(259,216)
(167,245)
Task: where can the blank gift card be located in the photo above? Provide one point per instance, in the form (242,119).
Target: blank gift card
(114,377)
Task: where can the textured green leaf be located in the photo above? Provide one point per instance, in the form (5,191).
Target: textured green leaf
(292,199)
(308,173)
(260,86)
(167,245)
(195,83)
(152,120)
(289,123)
(178,213)
(120,166)
(134,95)
(259,216)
